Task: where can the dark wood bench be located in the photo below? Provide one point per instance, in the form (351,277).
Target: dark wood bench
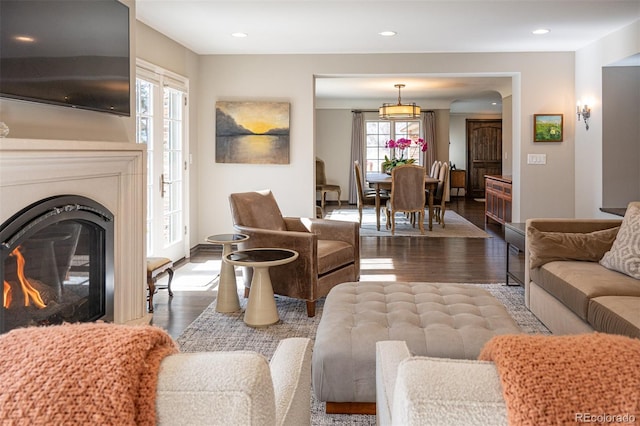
(155,267)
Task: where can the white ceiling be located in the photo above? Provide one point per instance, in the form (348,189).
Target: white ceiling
(352,26)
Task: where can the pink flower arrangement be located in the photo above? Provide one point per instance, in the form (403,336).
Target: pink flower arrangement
(400,144)
(404,143)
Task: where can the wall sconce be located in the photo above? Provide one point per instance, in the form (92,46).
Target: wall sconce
(585,112)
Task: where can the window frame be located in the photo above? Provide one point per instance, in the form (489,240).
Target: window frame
(375,142)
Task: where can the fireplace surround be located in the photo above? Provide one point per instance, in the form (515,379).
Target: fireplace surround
(109,178)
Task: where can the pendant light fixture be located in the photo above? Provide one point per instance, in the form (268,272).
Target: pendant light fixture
(399,111)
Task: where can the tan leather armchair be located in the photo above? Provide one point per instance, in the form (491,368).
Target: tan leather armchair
(329,250)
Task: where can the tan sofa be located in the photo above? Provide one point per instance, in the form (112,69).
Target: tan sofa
(577,296)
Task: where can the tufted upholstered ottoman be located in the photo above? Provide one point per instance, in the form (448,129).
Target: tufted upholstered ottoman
(438,320)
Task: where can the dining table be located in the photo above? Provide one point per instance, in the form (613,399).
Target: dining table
(383,181)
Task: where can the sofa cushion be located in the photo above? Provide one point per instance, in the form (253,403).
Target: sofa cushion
(333,254)
(624,255)
(615,314)
(575,282)
(546,247)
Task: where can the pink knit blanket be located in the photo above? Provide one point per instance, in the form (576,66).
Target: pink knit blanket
(91,373)
(558,380)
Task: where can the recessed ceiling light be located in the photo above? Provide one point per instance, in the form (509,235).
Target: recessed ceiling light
(24,38)
(240,35)
(494,103)
(541,31)
(387,33)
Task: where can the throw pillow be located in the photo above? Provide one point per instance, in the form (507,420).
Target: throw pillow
(624,255)
(547,247)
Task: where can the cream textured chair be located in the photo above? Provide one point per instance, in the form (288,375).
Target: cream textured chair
(407,194)
(237,387)
(322,186)
(329,250)
(367,197)
(418,390)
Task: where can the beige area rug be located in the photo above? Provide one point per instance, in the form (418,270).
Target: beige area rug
(455,225)
(215,331)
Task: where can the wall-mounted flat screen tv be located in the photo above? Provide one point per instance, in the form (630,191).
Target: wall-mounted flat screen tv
(66,52)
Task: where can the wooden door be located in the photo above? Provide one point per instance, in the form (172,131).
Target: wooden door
(484,153)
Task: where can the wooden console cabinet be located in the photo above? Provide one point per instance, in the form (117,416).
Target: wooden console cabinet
(498,198)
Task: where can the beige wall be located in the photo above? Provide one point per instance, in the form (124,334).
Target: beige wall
(588,87)
(546,86)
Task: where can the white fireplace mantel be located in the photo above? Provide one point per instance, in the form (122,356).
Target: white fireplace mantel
(111,173)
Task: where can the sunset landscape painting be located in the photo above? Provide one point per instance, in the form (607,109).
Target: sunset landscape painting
(252,132)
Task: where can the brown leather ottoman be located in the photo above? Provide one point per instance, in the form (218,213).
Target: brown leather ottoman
(438,320)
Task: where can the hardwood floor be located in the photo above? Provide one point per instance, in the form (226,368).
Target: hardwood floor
(474,260)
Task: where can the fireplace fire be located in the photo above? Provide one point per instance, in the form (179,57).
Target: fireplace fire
(55,258)
(30,294)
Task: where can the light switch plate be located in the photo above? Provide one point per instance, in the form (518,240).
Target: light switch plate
(536,158)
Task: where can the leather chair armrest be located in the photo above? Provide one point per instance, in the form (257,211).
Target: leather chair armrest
(326,229)
(305,243)
(337,230)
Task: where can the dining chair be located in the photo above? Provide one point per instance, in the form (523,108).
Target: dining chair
(407,194)
(322,186)
(366,197)
(442,193)
(435,169)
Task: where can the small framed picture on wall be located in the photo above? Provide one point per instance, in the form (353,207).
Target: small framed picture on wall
(547,127)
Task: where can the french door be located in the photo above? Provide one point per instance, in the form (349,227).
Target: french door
(161,111)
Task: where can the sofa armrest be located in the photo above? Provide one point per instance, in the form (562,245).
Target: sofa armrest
(389,354)
(230,387)
(291,375)
(440,391)
(435,391)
